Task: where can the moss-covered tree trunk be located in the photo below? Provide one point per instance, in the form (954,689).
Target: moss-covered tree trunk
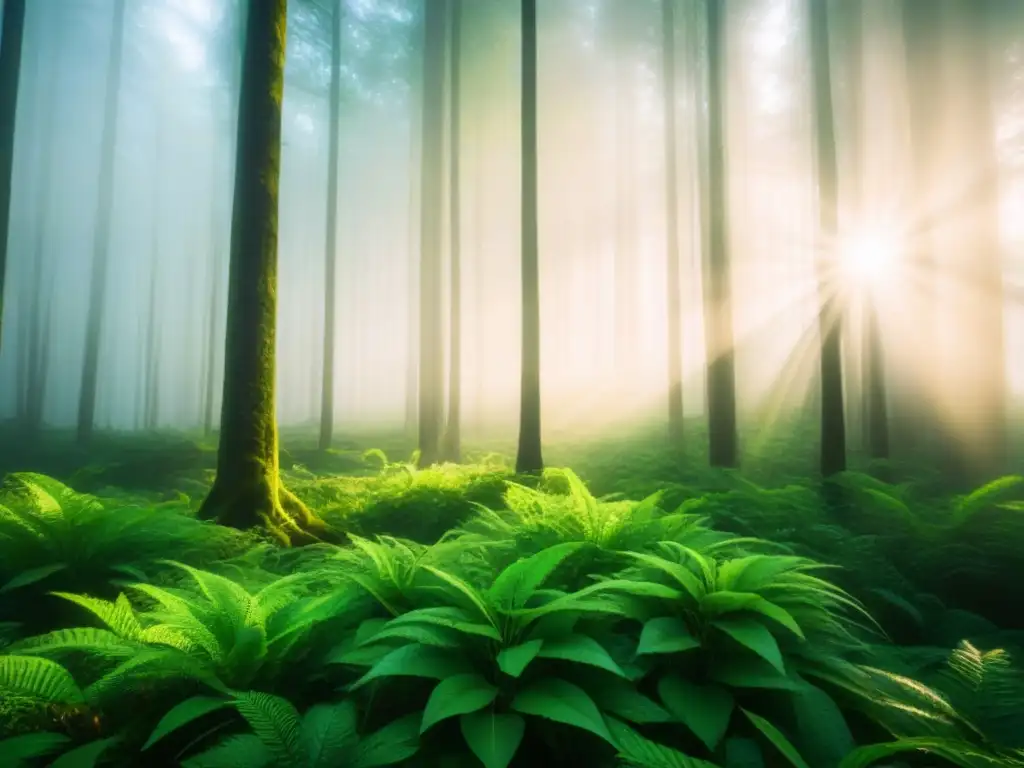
(101,235)
(451,447)
(529,457)
(248,491)
(718,331)
(13,34)
(674,302)
(833,417)
(431,353)
(331,255)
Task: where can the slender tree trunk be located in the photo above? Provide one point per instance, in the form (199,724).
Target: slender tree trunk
(673,299)
(209,382)
(331,261)
(877,422)
(152,414)
(721,382)
(412,324)
(431,378)
(625,201)
(529,457)
(452,447)
(248,491)
(13,33)
(833,417)
(101,237)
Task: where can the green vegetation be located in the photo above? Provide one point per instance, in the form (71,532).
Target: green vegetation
(462,616)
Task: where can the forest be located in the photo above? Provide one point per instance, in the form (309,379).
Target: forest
(512,383)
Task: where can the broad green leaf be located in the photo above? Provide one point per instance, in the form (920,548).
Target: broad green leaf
(395,742)
(466,590)
(512,661)
(954,751)
(32,745)
(517,582)
(743,753)
(751,672)
(682,575)
(493,738)
(718,603)
(581,649)
(562,702)
(235,751)
(776,737)
(416,661)
(621,698)
(84,756)
(457,695)
(666,634)
(450,617)
(824,736)
(704,709)
(328,731)
(184,713)
(426,634)
(32,576)
(754,635)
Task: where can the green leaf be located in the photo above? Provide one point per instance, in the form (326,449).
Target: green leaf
(775,736)
(638,751)
(743,753)
(416,661)
(751,672)
(328,731)
(276,721)
(84,756)
(182,714)
(666,634)
(581,649)
(682,575)
(517,582)
(493,738)
(562,702)
(755,636)
(824,736)
(32,745)
(458,695)
(32,576)
(621,698)
(704,709)
(718,603)
(40,679)
(512,661)
(245,749)
(395,742)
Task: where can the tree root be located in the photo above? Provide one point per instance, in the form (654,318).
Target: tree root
(264,502)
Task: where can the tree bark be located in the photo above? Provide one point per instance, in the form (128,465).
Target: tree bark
(431,378)
(451,449)
(331,260)
(248,491)
(673,304)
(529,457)
(13,34)
(101,236)
(721,381)
(833,417)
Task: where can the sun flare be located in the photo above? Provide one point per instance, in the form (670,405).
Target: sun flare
(869,258)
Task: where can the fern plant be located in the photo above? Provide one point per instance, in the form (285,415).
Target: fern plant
(502,656)
(325,736)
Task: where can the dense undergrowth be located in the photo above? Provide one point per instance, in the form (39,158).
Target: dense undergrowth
(470,619)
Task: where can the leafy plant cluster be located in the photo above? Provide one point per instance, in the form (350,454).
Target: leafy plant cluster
(553,627)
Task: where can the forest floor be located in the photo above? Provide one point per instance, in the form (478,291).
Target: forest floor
(712,573)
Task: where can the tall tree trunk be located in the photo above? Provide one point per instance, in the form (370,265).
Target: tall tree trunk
(833,417)
(721,381)
(331,260)
(431,378)
(101,236)
(625,201)
(209,382)
(412,373)
(248,491)
(13,33)
(673,303)
(451,450)
(529,457)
